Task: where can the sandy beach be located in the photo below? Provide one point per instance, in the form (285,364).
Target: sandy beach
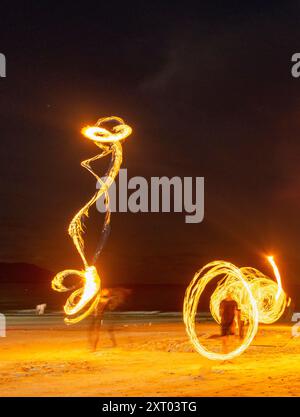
(42,357)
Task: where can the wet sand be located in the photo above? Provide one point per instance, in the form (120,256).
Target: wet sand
(42,357)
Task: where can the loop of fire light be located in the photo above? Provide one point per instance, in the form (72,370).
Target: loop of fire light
(83,300)
(260,300)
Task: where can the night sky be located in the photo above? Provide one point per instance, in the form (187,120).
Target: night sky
(208,92)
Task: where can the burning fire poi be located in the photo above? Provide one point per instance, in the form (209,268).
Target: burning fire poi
(83,300)
(260,299)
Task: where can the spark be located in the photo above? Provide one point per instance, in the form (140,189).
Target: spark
(260,300)
(84,299)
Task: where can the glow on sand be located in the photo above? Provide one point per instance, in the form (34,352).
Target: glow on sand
(260,300)
(83,300)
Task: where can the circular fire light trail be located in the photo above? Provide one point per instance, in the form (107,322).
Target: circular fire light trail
(83,300)
(260,300)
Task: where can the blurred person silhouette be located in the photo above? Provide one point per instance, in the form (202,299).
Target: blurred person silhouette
(229,313)
(110,299)
(289,309)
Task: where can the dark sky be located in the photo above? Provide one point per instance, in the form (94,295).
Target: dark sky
(208,92)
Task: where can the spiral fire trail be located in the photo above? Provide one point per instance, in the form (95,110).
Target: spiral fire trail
(83,300)
(260,300)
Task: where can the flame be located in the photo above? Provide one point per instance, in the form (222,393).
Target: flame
(260,300)
(277,275)
(83,300)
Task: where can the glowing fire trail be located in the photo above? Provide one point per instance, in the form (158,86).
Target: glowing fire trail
(83,300)
(260,299)
(277,275)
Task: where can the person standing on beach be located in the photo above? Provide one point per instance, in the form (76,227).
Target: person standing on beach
(97,318)
(229,311)
(111,298)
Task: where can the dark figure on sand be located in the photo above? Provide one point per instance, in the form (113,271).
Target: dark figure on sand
(96,319)
(110,299)
(229,311)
